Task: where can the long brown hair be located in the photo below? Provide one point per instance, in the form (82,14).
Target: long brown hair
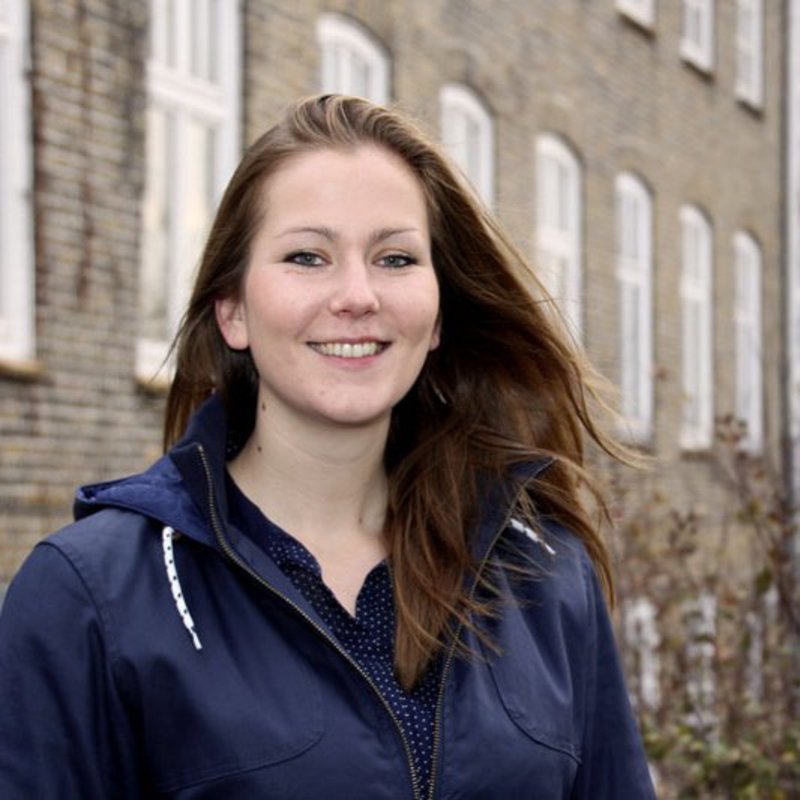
(504,386)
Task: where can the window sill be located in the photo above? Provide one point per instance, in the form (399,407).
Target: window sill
(698,62)
(752,105)
(21,369)
(155,385)
(638,20)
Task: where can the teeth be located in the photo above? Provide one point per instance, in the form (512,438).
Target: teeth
(346,350)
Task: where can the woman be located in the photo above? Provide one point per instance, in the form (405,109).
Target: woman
(363,568)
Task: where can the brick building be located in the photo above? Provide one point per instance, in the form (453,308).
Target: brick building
(638,149)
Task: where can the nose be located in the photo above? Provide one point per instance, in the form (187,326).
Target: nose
(354,292)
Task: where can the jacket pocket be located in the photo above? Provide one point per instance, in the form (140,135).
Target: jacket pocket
(220,720)
(537,686)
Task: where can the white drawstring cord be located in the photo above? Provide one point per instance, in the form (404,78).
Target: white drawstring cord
(532,535)
(167,536)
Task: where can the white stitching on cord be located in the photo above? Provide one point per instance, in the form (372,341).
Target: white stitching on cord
(532,535)
(175,585)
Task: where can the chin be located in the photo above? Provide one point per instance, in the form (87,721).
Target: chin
(357,418)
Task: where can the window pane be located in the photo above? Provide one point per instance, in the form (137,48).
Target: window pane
(748,339)
(630,356)
(332,59)
(5,67)
(203,42)
(549,272)
(473,150)
(154,279)
(634,274)
(564,198)
(199,189)
(693,24)
(360,77)
(171,33)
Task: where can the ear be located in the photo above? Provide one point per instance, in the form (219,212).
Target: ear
(436,336)
(230,319)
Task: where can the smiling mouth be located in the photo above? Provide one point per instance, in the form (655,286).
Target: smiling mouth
(348,349)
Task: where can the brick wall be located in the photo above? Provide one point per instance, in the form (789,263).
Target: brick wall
(81,416)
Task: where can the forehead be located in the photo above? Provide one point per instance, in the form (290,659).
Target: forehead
(367,180)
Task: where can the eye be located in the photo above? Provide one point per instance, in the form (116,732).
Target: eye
(304,258)
(396,260)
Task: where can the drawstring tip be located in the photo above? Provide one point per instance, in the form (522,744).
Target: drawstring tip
(532,535)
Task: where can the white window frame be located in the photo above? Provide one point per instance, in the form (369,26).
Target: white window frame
(697,265)
(345,47)
(697,36)
(17,296)
(750,52)
(467,131)
(557,165)
(634,252)
(701,630)
(642,12)
(749,405)
(212,101)
(759,621)
(642,637)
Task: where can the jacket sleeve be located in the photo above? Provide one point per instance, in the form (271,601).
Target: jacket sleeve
(613,763)
(63,730)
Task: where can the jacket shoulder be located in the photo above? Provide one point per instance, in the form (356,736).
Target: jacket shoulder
(108,534)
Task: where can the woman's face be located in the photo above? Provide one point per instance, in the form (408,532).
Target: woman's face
(340,302)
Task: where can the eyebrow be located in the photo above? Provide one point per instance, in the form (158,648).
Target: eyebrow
(332,235)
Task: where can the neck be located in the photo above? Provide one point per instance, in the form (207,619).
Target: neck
(316,481)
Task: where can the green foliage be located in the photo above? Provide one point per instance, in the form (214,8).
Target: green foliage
(720,711)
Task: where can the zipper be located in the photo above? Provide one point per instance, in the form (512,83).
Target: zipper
(232,556)
(437,720)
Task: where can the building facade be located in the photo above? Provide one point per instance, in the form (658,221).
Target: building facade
(636,149)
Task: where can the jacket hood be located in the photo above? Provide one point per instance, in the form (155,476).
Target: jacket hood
(177,489)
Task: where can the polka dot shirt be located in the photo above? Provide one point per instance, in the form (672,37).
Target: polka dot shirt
(368,637)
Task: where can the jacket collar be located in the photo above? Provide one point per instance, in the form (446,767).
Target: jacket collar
(186,488)
(498,500)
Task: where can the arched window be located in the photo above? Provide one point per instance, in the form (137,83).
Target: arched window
(468,137)
(193,80)
(634,254)
(17,312)
(697,339)
(353,61)
(559,226)
(747,337)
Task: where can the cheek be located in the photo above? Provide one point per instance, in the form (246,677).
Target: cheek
(274,309)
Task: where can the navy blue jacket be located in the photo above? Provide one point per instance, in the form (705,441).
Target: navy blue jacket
(110,691)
